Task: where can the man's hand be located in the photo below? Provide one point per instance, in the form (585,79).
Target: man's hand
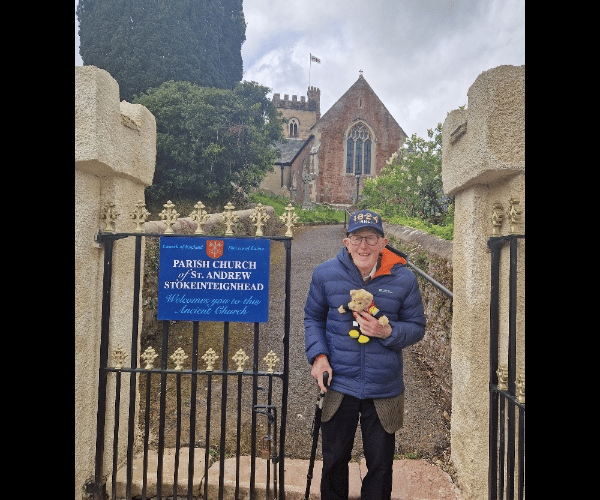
(370,326)
(320,366)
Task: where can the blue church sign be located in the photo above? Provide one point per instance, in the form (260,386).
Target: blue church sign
(212,279)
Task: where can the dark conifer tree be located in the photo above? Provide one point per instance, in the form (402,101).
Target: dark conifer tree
(143,43)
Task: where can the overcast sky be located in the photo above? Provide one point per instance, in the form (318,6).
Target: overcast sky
(419,56)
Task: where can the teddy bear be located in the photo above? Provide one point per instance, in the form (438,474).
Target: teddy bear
(361,300)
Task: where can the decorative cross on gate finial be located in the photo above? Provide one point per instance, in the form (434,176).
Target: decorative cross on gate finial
(139,216)
(497,217)
(289,219)
(179,356)
(210,357)
(514,215)
(109,215)
(229,218)
(240,359)
(149,356)
(119,357)
(169,215)
(502,373)
(271,359)
(259,217)
(520,387)
(200,216)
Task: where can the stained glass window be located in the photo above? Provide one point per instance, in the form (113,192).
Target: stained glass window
(359,157)
(358,150)
(367,157)
(350,157)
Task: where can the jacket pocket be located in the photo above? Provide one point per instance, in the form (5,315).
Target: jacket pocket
(345,354)
(381,362)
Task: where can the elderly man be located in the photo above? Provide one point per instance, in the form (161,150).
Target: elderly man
(365,378)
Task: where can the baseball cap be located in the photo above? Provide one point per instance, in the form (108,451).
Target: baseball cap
(365,218)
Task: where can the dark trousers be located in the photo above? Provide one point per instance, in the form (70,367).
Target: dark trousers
(338,439)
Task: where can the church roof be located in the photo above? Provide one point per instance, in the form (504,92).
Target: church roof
(358,84)
(290,148)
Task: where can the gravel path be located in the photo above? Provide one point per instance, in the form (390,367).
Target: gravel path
(425,432)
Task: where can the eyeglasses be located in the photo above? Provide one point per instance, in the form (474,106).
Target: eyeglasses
(371,240)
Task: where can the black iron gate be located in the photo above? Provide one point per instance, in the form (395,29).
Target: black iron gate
(507,390)
(272,444)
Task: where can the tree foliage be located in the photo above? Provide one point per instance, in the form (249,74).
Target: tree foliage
(411,185)
(209,138)
(143,43)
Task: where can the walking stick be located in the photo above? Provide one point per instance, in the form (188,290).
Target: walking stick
(315,435)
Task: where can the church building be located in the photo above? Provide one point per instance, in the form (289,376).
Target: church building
(325,159)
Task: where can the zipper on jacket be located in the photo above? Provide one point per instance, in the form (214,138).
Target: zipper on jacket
(362,371)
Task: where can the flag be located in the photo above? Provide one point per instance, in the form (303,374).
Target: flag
(315,59)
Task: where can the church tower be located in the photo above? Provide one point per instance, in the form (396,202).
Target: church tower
(300,116)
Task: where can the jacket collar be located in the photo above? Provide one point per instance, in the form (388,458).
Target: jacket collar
(387,260)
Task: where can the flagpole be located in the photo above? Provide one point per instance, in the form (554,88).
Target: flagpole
(309,68)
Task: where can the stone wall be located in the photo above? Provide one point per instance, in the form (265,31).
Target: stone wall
(115,152)
(434,256)
(483,163)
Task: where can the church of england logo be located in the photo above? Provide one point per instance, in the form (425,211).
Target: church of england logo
(214,248)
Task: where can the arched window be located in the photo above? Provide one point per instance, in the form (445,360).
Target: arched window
(358,150)
(293,126)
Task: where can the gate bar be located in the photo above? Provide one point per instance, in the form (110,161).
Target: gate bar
(177,438)
(171,371)
(286,363)
(162,410)
(133,363)
(223,408)
(102,374)
(101,237)
(239,436)
(521,453)
(207,427)
(254,401)
(493,376)
(512,365)
(146,434)
(116,435)
(193,408)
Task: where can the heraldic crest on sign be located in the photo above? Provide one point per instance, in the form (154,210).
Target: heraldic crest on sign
(214,248)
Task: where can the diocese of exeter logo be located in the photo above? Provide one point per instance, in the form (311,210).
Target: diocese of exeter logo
(214,248)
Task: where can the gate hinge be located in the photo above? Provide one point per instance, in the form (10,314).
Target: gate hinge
(100,237)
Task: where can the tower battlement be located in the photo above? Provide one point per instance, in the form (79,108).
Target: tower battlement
(313,103)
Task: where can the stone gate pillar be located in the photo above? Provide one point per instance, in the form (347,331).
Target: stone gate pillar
(115,153)
(483,162)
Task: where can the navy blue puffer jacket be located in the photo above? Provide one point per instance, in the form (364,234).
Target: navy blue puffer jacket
(373,369)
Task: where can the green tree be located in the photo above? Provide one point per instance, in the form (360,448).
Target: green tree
(144,43)
(210,142)
(411,185)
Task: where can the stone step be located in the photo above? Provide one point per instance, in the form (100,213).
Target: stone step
(412,479)
(295,479)
(168,474)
